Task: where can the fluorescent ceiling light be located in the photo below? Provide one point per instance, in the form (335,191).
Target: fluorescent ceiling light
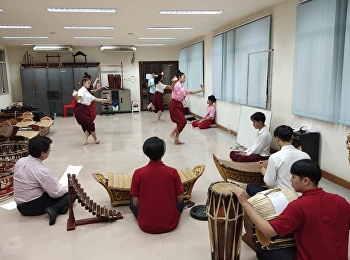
(169,28)
(33,44)
(25,37)
(89,27)
(157,38)
(15,27)
(94,37)
(190,12)
(82,10)
(1,10)
(150,44)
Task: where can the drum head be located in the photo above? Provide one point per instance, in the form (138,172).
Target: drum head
(198,212)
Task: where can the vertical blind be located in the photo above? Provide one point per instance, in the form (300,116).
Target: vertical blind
(322,52)
(191,62)
(240,63)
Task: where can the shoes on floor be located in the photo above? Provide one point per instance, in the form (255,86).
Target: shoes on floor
(52,215)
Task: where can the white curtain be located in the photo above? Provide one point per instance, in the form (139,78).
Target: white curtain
(231,51)
(345,93)
(191,62)
(218,87)
(318,62)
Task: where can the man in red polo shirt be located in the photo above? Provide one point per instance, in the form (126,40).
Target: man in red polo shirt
(156,191)
(319,220)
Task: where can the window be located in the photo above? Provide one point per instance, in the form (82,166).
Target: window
(241,63)
(191,62)
(3,74)
(321,84)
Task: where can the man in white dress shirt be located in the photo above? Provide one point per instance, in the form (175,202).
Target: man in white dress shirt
(277,174)
(260,150)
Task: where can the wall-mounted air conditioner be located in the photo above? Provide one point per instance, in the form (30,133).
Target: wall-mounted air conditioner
(118,48)
(52,48)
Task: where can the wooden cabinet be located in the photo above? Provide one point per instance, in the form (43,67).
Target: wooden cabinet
(121,101)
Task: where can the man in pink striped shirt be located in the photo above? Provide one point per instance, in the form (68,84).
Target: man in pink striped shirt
(35,190)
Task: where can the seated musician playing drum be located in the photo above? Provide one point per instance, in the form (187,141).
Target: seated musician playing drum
(156,190)
(319,221)
(35,190)
(260,150)
(277,174)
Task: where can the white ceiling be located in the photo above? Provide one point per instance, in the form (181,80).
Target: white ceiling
(130,22)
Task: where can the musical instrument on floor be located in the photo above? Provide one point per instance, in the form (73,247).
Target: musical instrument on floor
(13,150)
(118,185)
(225,220)
(244,172)
(269,204)
(6,178)
(102,213)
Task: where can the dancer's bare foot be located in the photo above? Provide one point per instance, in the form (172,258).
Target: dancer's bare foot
(97,141)
(85,143)
(177,142)
(160,120)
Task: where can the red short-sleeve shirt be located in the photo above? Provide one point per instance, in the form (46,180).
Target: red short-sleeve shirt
(320,224)
(157,185)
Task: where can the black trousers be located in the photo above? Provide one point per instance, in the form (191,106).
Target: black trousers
(37,207)
(288,253)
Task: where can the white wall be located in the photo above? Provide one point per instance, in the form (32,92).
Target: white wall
(333,153)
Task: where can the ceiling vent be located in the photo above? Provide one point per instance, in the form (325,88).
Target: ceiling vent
(53,48)
(118,48)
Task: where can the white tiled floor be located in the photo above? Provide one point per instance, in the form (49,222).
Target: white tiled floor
(120,151)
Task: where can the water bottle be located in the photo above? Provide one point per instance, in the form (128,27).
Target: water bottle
(54,115)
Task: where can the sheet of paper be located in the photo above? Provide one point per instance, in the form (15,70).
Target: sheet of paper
(72,170)
(9,206)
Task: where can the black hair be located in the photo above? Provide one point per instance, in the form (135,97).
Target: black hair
(158,78)
(154,148)
(284,132)
(85,79)
(179,73)
(87,75)
(258,116)
(39,144)
(212,98)
(307,168)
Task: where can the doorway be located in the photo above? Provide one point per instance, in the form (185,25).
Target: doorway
(146,67)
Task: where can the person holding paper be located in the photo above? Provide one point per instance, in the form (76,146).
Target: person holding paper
(35,190)
(318,220)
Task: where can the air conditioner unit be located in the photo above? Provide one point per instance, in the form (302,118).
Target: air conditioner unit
(52,48)
(118,48)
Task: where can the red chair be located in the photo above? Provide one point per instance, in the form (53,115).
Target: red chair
(65,107)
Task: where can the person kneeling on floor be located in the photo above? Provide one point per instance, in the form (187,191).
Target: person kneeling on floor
(209,117)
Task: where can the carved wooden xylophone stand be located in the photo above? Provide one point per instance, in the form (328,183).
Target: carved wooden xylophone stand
(102,213)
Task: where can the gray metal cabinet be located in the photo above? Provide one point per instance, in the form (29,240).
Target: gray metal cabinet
(35,87)
(40,84)
(123,97)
